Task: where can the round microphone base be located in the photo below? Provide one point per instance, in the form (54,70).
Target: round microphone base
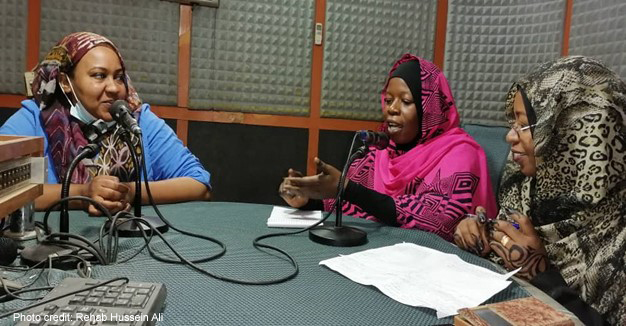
(338,236)
(131,229)
(20,236)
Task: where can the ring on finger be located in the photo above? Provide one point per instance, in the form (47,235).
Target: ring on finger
(505,239)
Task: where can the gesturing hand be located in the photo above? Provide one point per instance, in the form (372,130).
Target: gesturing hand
(291,198)
(521,248)
(319,186)
(110,192)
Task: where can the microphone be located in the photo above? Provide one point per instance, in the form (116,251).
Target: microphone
(121,114)
(380,140)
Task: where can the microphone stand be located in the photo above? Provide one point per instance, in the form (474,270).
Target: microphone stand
(134,229)
(36,254)
(339,235)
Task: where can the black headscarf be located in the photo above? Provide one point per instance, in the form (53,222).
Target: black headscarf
(406,71)
(530,111)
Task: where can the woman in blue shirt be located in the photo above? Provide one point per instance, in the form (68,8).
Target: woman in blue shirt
(76,84)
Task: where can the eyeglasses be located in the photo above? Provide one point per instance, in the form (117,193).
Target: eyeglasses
(519,129)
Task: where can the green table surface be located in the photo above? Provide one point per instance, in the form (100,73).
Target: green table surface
(316,296)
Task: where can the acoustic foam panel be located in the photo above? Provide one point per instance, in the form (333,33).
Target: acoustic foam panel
(362,41)
(491,43)
(145,32)
(599,30)
(13,50)
(252,56)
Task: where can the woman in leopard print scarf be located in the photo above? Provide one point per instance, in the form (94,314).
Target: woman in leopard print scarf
(576,198)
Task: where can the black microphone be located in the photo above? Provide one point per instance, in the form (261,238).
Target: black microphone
(380,140)
(121,114)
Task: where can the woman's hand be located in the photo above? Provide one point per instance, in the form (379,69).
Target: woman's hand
(521,248)
(320,186)
(110,192)
(471,233)
(291,198)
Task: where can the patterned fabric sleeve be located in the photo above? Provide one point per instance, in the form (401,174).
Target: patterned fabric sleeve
(432,211)
(435,206)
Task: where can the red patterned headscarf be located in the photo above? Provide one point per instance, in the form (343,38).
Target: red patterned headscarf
(65,138)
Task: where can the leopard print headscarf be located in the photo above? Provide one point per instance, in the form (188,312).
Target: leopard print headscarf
(577,200)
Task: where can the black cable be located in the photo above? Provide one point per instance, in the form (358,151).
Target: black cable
(87,151)
(101,259)
(63,237)
(42,226)
(133,154)
(4,297)
(113,233)
(64,295)
(22,268)
(143,233)
(83,270)
(112,225)
(93,249)
(224,278)
(66,199)
(38,276)
(144,170)
(192,263)
(13,295)
(255,242)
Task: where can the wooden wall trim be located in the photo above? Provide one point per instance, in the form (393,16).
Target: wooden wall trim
(184,68)
(317,66)
(348,125)
(567,26)
(33,32)
(439,49)
(268,120)
(11,101)
(182,130)
(184,55)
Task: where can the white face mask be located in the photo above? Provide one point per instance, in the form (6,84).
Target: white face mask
(77,110)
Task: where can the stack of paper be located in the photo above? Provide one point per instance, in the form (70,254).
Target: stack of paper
(420,276)
(285,217)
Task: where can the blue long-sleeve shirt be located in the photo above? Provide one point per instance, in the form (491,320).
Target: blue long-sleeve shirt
(166,156)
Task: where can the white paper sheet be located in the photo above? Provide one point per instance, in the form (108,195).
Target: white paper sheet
(285,217)
(420,276)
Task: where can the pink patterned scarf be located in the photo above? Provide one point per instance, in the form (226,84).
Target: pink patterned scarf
(441,134)
(438,180)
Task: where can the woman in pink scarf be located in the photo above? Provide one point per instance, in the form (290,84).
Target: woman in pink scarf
(432,174)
